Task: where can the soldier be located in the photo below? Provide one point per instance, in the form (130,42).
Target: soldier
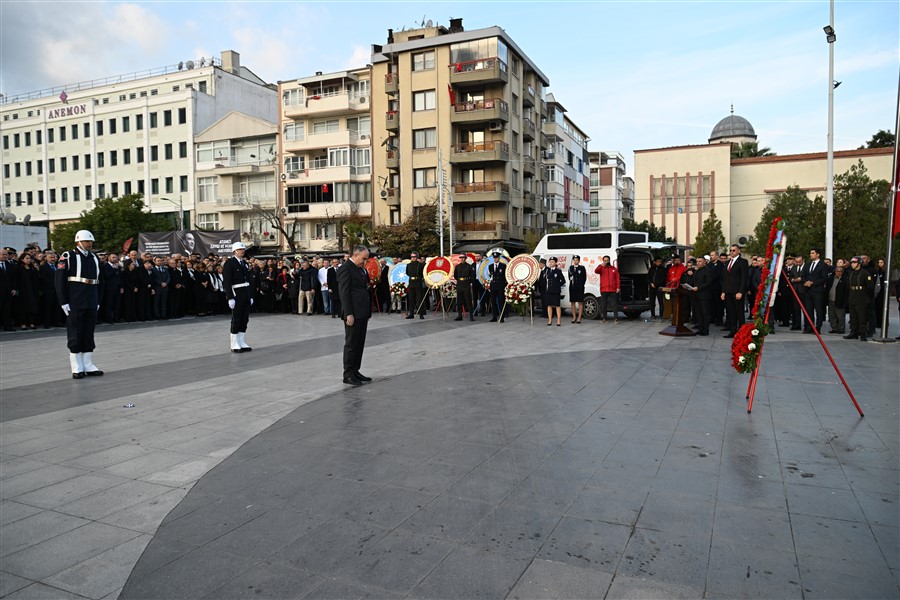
(415,270)
(79,287)
(498,287)
(237,279)
(464,274)
(861,285)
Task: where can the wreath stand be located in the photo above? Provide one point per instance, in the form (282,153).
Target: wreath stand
(754,376)
(442,308)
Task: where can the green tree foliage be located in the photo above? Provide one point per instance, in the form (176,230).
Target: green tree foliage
(561,229)
(749,150)
(112,221)
(710,236)
(418,231)
(532,239)
(804,222)
(882,139)
(656,234)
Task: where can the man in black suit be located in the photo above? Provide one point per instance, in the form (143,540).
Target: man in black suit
(356,309)
(796,275)
(497,272)
(53,315)
(814,279)
(7,290)
(332,282)
(111,307)
(734,284)
(703,288)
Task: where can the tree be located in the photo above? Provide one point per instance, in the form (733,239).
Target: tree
(655,234)
(882,139)
(112,221)
(749,150)
(562,229)
(274,218)
(418,231)
(532,239)
(804,222)
(710,236)
(860,214)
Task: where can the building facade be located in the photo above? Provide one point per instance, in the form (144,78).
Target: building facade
(132,134)
(325,153)
(567,170)
(612,191)
(462,110)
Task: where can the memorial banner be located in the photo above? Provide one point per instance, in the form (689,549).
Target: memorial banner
(166,243)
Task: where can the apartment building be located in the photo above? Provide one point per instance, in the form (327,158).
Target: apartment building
(612,191)
(129,134)
(462,109)
(567,166)
(325,152)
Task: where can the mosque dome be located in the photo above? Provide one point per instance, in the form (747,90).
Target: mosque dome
(733,128)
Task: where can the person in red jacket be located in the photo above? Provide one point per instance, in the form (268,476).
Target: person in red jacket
(673,278)
(609,289)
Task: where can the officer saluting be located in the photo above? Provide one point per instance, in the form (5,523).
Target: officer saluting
(79,287)
(237,279)
(464,274)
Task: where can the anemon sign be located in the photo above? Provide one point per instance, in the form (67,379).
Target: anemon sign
(67,111)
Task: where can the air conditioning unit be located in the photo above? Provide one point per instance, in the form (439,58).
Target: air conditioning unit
(364,136)
(384,194)
(743,239)
(363,99)
(496,125)
(284,176)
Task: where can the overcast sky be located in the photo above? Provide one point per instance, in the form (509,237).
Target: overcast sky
(631,74)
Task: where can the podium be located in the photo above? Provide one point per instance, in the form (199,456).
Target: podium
(677,328)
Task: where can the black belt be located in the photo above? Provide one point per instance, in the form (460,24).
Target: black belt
(414,278)
(462,279)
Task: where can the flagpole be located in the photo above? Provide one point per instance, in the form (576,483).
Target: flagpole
(892,230)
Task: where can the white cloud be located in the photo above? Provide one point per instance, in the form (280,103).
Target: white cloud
(360,58)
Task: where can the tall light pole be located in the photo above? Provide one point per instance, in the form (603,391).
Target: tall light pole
(180,211)
(829,185)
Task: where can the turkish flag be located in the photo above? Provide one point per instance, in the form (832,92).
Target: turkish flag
(452,95)
(896,226)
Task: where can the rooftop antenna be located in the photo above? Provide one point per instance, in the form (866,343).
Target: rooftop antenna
(732,108)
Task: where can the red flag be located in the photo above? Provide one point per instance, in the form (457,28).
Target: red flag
(452,95)
(896,227)
(127,245)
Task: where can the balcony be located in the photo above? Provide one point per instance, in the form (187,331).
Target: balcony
(480,71)
(318,171)
(482,111)
(529,166)
(487,191)
(329,139)
(392,120)
(392,159)
(243,202)
(544,111)
(326,104)
(528,96)
(492,151)
(391,196)
(529,129)
(483,230)
(529,201)
(392,83)
(233,166)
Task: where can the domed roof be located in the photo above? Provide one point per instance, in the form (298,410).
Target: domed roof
(732,126)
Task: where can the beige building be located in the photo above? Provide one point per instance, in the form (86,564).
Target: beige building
(236,182)
(612,191)
(677,187)
(325,153)
(129,134)
(473,103)
(567,170)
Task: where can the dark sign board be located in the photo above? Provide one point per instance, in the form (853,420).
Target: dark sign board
(165,243)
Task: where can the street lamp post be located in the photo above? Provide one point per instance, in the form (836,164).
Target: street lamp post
(829,185)
(180,206)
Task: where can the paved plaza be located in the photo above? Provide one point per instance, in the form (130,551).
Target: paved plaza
(484,461)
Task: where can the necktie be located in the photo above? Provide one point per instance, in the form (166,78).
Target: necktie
(730,265)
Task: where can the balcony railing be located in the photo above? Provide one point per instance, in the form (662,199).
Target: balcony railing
(479,70)
(529,129)
(481,225)
(392,120)
(392,83)
(493,150)
(246,200)
(492,109)
(392,159)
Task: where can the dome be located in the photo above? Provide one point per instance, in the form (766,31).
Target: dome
(732,128)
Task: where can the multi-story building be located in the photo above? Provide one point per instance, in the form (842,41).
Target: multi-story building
(129,134)
(567,167)
(325,151)
(677,187)
(236,180)
(471,103)
(612,191)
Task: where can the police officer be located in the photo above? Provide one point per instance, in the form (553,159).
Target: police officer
(415,270)
(237,278)
(861,285)
(79,287)
(497,271)
(464,274)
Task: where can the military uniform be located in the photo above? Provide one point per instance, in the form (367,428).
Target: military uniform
(464,274)
(860,284)
(415,270)
(237,278)
(79,288)
(497,272)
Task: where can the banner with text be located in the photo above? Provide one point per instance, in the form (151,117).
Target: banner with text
(166,243)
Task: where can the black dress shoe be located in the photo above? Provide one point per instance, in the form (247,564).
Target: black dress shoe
(458,318)
(362,377)
(97,373)
(730,335)
(237,350)
(352,380)
(492,321)
(411,317)
(851,336)
(247,349)
(77,375)
(863,338)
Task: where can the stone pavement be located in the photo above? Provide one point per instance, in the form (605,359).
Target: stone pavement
(485,460)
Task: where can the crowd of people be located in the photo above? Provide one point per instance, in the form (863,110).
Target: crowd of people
(721,289)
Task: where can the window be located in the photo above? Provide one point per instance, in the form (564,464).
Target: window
(126,156)
(127,186)
(424,178)
(329,126)
(40,166)
(100,163)
(294,132)
(27,139)
(28,168)
(51,165)
(292,97)
(360,125)
(167,118)
(209,221)
(87,161)
(101,190)
(6,200)
(126,124)
(18,168)
(424,138)
(113,158)
(99,127)
(424,100)
(86,128)
(75,131)
(153,122)
(62,135)
(114,190)
(49,135)
(182,116)
(76,194)
(208,189)
(6,171)
(37,137)
(29,198)
(88,191)
(138,122)
(63,165)
(167,151)
(595,199)
(52,196)
(170,185)
(515,179)
(338,157)
(75,162)
(473,214)
(201,86)
(595,219)
(6,142)
(423,61)
(18,198)
(154,186)
(141,187)
(326,231)
(182,149)
(112,126)
(361,160)
(292,164)
(154,153)
(140,155)
(183,183)
(515,104)
(209,151)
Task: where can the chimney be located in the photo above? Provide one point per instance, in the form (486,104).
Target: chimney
(456,26)
(390,36)
(231,62)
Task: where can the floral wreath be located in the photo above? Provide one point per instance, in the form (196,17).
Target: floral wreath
(399,290)
(448,290)
(517,292)
(748,341)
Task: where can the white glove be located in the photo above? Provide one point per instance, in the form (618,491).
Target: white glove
(231,304)
(98,307)
(66,309)
(251,301)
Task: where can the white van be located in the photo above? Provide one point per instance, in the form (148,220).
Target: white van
(630,251)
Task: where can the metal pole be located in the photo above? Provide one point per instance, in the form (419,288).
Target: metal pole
(441,198)
(829,189)
(892,207)
(180,213)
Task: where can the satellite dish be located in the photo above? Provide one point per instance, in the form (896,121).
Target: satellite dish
(189,64)
(9,219)
(180,65)
(26,220)
(429,23)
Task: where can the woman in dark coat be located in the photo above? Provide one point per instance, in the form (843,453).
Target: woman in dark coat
(131,284)
(282,287)
(577,279)
(201,290)
(556,281)
(28,298)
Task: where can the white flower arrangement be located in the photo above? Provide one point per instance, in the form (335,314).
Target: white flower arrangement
(754,333)
(742,359)
(751,347)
